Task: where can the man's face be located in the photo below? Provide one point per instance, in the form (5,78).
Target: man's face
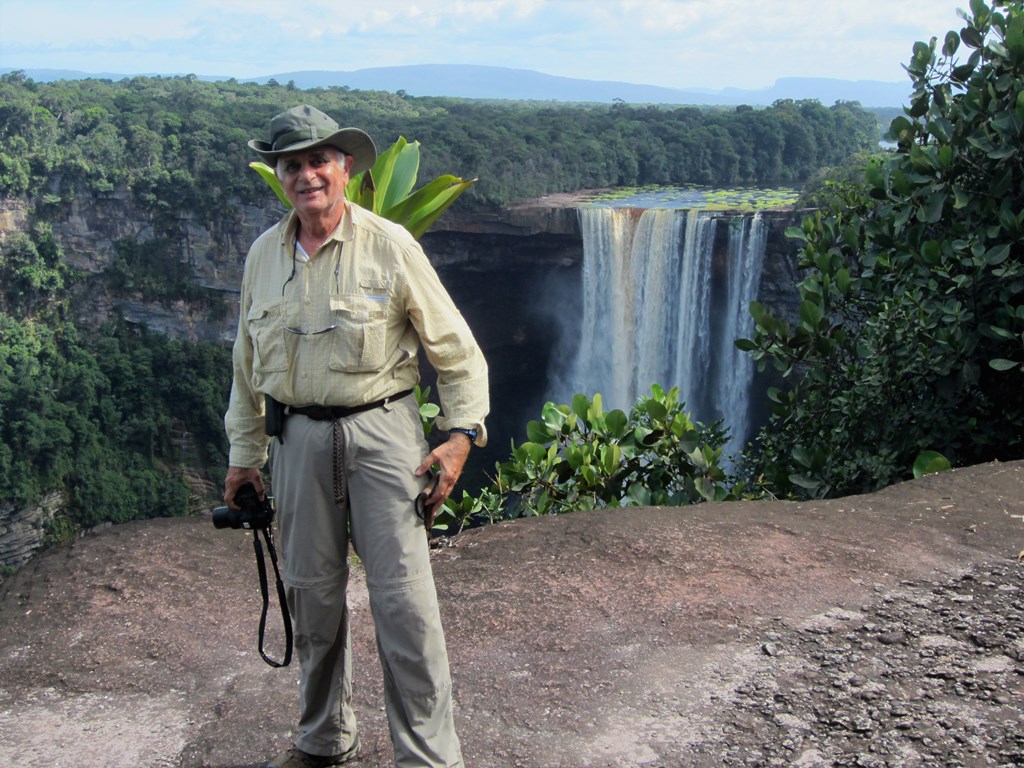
(314,180)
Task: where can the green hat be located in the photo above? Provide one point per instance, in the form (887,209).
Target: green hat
(305,127)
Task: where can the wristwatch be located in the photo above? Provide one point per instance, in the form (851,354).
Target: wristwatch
(470,433)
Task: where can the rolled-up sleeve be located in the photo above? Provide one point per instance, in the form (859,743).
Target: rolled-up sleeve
(448,342)
(243,420)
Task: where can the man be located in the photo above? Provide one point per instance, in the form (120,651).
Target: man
(335,304)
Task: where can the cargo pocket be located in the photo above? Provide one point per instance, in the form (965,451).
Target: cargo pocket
(266,329)
(360,339)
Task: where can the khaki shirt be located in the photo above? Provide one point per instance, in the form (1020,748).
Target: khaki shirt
(344,327)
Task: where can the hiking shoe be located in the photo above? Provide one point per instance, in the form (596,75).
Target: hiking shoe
(296,758)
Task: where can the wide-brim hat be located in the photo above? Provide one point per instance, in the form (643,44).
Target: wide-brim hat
(305,127)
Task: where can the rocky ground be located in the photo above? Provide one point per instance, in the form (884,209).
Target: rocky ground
(929,673)
(883,630)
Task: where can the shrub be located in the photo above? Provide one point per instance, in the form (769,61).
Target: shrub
(911,329)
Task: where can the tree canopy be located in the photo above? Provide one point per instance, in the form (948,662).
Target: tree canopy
(181,142)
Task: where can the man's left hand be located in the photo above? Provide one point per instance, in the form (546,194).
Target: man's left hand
(450,456)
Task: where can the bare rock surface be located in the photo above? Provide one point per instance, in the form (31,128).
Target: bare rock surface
(880,630)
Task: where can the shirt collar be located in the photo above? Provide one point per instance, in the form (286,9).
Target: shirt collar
(341,232)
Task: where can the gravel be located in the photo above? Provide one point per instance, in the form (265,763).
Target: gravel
(931,674)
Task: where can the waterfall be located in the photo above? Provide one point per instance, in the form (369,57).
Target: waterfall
(747,239)
(661,307)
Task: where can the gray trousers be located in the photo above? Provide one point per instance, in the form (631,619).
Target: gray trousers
(382,448)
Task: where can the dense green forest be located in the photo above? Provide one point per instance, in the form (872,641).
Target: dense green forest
(101,414)
(179,143)
(106,417)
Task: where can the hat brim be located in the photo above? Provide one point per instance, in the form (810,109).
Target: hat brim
(351,141)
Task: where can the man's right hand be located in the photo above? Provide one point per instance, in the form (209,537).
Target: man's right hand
(236,478)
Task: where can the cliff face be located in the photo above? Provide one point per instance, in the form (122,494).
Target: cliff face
(23,529)
(534,246)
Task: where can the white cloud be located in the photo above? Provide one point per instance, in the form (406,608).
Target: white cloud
(680,43)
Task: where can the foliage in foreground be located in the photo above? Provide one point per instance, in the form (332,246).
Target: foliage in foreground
(387,188)
(581,457)
(911,328)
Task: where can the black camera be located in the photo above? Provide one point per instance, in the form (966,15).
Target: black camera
(252,513)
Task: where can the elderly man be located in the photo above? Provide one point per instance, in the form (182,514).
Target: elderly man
(335,305)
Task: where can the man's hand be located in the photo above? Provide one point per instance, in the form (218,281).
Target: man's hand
(236,478)
(450,456)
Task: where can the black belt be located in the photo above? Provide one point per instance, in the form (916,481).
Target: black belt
(335,412)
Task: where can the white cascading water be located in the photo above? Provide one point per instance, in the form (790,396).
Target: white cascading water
(735,374)
(656,312)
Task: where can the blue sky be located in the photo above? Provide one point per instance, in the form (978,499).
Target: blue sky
(672,43)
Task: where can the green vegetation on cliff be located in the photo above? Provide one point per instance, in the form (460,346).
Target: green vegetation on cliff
(97,416)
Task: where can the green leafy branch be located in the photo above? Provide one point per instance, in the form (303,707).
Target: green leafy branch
(580,456)
(387,188)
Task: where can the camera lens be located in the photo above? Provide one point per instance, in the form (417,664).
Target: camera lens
(225,517)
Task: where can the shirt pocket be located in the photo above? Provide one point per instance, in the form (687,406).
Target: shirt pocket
(360,342)
(266,329)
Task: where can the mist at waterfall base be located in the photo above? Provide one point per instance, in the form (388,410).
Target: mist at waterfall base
(661,305)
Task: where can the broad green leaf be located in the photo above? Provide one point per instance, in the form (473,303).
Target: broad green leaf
(951,44)
(1001,364)
(758,312)
(640,495)
(617,421)
(421,202)
(534,452)
(843,281)
(382,172)
(552,416)
(270,177)
(610,455)
(360,190)
(655,409)
(998,254)
(804,457)
(810,314)
(538,432)
(698,458)
(581,405)
(705,487)
(804,482)
(386,189)
(933,211)
(972,37)
(404,170)
(930,462)
(576,456)
(425,214)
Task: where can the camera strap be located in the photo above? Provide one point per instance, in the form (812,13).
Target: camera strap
(285,616)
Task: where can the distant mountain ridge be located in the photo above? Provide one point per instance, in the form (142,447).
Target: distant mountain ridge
(484,82)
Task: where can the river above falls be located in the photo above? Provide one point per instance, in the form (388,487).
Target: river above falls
(690,197)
